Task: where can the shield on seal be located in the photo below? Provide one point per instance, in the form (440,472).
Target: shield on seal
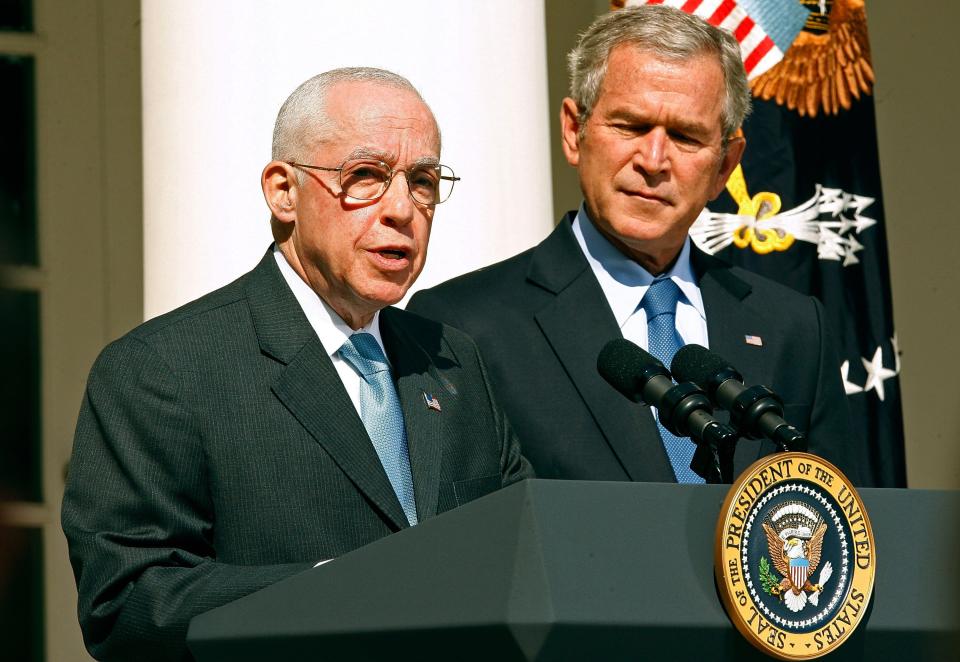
(799,571)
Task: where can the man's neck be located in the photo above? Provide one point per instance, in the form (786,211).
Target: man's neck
(355,319)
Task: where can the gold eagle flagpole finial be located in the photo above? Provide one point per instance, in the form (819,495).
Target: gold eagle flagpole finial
(827,66)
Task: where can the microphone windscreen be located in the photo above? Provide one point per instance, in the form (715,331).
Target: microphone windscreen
(697,364)
(621,363)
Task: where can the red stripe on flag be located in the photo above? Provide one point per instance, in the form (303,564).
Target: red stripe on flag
(722,12)
(746,25)
(654,2)
(690,6)
(762,49)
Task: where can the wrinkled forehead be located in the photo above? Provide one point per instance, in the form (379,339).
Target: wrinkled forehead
(629,59)
(693,84)
(382,117)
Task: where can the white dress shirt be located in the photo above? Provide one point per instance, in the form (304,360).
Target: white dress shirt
(329,327)
(624,282)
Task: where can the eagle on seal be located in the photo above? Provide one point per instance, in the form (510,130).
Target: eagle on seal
(795,550)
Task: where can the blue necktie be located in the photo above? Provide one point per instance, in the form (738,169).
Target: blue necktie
(660,304)
(382,417)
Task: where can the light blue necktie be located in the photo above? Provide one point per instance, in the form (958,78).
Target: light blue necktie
(382,417)
(660,304)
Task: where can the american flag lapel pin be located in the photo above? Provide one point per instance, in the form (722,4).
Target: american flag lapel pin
(432,402)
(756,341)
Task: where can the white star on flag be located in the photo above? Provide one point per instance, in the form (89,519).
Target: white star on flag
(848,386)
(876,373)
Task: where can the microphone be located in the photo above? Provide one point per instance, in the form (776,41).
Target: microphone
(637,374)
(755,411)
(684,408)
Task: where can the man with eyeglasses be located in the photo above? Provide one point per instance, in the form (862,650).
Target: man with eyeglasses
(656,100)
(293,415)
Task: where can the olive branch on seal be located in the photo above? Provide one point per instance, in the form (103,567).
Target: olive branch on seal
(767,581)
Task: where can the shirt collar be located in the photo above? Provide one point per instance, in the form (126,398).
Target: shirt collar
(624,281)
(327,324)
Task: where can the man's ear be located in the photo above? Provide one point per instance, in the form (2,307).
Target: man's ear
(729,161)
(280,189)
(570,130)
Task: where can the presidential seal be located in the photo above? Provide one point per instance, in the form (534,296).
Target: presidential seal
(795,556)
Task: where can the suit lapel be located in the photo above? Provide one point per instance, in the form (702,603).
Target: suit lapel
(577,324)
(730,319)
(310,387)
(416,374)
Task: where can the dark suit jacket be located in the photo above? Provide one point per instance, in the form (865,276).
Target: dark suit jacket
(217,452)
(541,318)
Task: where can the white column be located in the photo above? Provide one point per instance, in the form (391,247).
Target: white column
(215,74)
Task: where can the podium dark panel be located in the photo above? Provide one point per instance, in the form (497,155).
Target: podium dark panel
(566,570)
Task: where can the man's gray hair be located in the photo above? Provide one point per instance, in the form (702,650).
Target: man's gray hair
(303,121)
(666,33)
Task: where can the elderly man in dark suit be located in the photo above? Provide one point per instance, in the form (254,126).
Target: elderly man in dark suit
(651,124)
(291,416)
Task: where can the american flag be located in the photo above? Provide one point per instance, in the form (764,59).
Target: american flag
(764,28)
(432,402)
(756,341)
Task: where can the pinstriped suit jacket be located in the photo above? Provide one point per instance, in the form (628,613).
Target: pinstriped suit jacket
(217,452)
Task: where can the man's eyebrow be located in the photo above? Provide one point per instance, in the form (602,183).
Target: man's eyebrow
(371,153)
(425,162)
(671,123)
(390,157)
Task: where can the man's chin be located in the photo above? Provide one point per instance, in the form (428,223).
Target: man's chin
(635,232)
(386,293)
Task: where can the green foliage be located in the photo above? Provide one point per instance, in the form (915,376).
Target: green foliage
(767,580)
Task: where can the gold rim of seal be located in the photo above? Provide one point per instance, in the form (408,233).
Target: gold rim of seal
(757,629)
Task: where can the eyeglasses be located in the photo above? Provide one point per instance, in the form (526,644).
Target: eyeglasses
(368,179)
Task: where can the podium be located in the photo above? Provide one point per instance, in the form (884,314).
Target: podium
(570,570)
